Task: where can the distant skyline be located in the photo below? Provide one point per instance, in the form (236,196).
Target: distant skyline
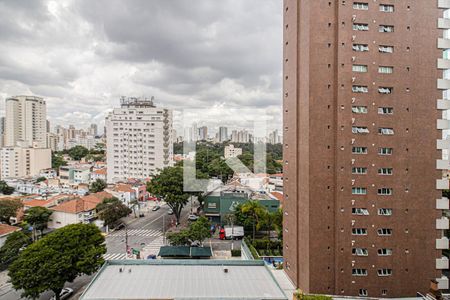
(81,56)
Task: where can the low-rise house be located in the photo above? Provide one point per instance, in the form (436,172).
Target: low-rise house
(48,173)
(6,230)
(72,212)
(124,192)
(99,174)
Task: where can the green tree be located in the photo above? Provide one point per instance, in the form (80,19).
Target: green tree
(197,231)
(78,152)
(110,210)
(57,161)
(256,212)
(5,189)
(10,250)
(97,186)
(58,258)
(40,179)
(168,185)
(8,209)
(38,217)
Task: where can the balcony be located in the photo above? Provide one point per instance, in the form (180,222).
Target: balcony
(442,164)
(442,282)
(442,263)
(442,184)
(442,203)
(444,3)
(442,243)
(442,223)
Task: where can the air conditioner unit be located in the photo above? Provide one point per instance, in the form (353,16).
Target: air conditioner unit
(353,58)
(353,161)
(353,141)
(353,37)
(354,18)
(353,79)
(353,120)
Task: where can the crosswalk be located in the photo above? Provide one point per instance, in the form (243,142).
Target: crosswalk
(137,232)
(153,247)
(114,256)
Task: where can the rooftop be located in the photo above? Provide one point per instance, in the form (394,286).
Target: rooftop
(75,206)
(183,279)
(6,229)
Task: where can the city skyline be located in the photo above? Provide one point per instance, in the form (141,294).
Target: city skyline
(109,61)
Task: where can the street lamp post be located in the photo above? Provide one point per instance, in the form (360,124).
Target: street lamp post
(126,240)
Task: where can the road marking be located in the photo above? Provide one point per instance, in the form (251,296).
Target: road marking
(154,246)
(114,256)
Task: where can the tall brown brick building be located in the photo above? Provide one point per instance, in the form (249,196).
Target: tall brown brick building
(362,128)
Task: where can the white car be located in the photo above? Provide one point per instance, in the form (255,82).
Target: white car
(192,218)
(65,294)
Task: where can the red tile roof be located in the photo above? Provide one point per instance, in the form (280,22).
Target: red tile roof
(100,171)
(6,229)
(279,196)
(75,206)
(125,188)
(40,203)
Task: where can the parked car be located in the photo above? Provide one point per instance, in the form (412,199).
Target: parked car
(65,294)
(120,226)
(170,211)
(192,217)
(155,208)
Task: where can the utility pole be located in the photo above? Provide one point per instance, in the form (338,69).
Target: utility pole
(126,241)
(164,229)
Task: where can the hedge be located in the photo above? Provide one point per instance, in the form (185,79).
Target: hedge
(236,252)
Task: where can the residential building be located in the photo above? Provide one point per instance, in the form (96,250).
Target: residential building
(75,174)
(48,173)
(223,134)
(231,151)
(274,138)
(19,162)
(93,130)
(6,230)
(2,132)
(26,121)
(363,209)
(276,182)
(203,133)
(99,174)
(124,192)
(139,140)
(240,136)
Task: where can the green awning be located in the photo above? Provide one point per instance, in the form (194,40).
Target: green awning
(185,251)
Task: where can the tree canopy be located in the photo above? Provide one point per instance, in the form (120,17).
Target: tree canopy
(8,209)
(10,250)
(57,258)
(5,189)
(38,217)
(97,186)
(58,161)
(110,210)
(78,152)
(168,185)
(197,231)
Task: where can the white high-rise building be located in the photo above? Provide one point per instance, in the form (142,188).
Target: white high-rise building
(223,134)
(139,140)
(26,121)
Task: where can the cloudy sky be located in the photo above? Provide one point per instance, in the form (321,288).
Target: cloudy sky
(203,54)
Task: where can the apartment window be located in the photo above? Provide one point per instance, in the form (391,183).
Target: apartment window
(359,272)
(360,211)
(386,49)
(384,191)
(385,90)
(359,129)
(363,293)
(384,231)
(386,8)
(386,28)
(360,47)
(359,68)
(360,252)
(359,231)
(359,170)
(384,252)
(359,191)
(385,70)
(360,27)
(384,272)
(385,110)
(385,151)
(384,292)
(359,109)
(385,211)
(360,5)
(360,89)
(385,131)
(359,150)
(385,171)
